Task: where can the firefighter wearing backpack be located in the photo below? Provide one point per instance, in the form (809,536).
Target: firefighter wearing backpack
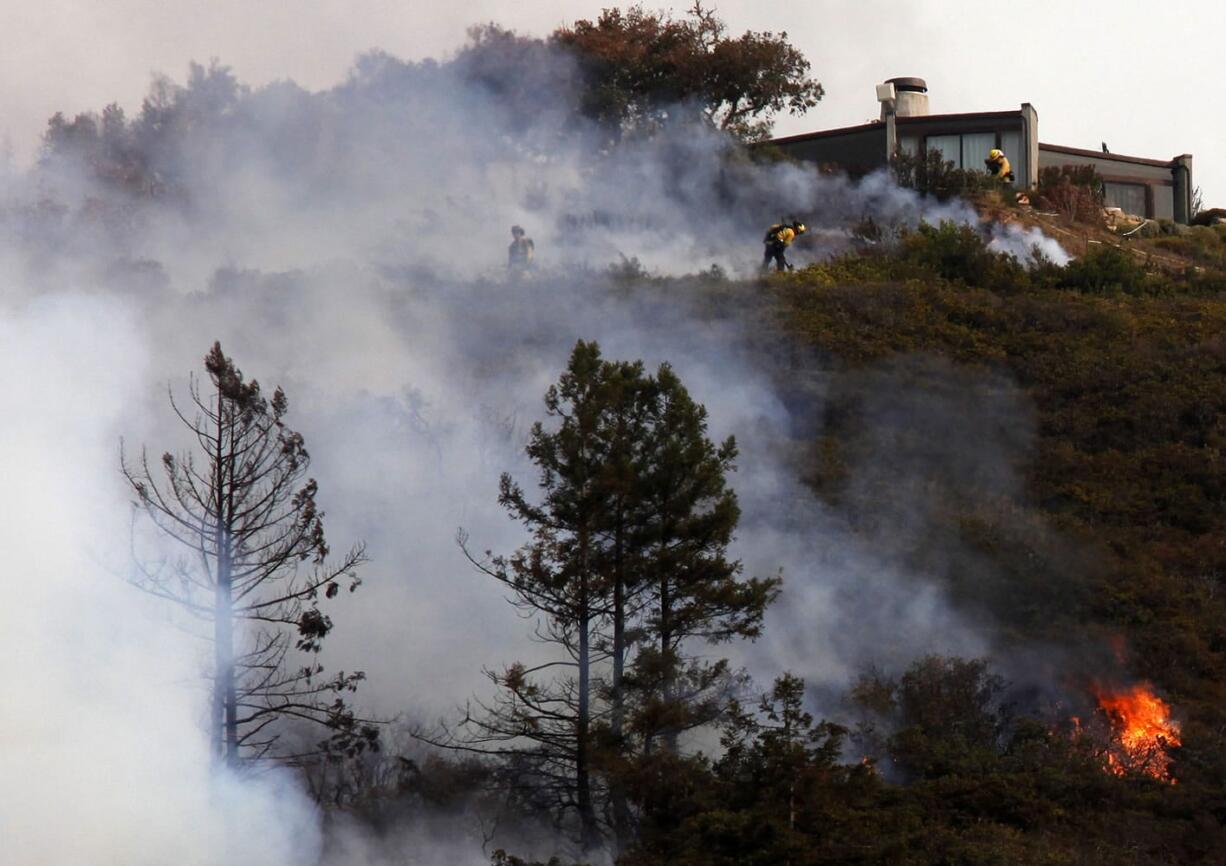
(997,165)
(778,238)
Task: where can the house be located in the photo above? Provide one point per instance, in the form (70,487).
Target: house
(1152,188)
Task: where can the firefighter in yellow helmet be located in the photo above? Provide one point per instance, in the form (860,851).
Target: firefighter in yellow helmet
(997,165)
(778,238)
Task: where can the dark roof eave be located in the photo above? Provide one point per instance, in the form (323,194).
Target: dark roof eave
(972,115)
(877,124)
(1109,157)
(825,133)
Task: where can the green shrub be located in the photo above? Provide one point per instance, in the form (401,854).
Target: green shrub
(1105,270)
(1201,244)
(959,253)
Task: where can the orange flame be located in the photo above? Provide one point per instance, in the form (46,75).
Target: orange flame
(1142,727)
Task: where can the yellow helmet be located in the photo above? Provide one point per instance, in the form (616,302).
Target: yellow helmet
(995,153)
(798,227)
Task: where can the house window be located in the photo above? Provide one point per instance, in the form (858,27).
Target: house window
(950,147)
(975,147)
(909,145)
(1129,197)
(1011,144)
(970,150)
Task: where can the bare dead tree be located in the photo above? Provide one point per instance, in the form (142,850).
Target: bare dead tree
(252,566)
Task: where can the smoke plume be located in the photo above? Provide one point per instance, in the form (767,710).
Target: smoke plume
(349,245)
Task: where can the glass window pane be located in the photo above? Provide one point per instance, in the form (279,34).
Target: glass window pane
(909,145)
(1164,203)
(950,147)
(1130,197)
(1011,144)
(975,147)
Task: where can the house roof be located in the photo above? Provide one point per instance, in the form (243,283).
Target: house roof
(826,133)
(902,121)
(1113,157)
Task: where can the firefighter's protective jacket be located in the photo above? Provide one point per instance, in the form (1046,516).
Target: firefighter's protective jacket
(999,167)
(780,234)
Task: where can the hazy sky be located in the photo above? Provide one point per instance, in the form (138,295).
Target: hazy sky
(1142,77)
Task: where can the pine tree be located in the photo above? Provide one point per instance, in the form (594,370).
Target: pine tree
(556,575)
(626,563)
(695,589)
(254,566)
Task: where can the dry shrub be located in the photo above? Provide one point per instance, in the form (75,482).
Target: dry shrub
(1076,192)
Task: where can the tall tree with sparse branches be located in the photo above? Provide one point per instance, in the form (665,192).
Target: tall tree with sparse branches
(251,564)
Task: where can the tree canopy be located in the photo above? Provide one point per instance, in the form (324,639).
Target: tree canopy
(625,566)
(641,69)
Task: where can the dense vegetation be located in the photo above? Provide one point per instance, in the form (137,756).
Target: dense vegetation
(1109,551)
(1104,377)
(626,74)
(1116,533)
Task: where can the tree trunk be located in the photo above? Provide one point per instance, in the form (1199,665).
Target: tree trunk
(225,700)
(669,734)
(589,833)
(617,792)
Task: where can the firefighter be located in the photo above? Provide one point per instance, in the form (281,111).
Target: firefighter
(520,253)
(778,238)
(998,166)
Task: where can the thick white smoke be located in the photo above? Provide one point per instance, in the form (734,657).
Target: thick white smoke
(1022,243)
(100,743)
(349,245)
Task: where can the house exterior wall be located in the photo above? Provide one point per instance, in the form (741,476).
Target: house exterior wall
(861,149)
(1165,187)
(1008,130)
(1162,187)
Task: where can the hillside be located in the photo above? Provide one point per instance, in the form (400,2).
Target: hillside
(964,606)
(1108,555)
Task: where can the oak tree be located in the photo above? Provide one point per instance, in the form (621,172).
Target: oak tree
(641,68)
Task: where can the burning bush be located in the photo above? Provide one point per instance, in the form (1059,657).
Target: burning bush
(1142,730)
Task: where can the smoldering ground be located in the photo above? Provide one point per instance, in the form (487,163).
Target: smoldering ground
(349,246)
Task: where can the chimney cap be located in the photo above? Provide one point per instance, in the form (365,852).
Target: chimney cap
(915,85)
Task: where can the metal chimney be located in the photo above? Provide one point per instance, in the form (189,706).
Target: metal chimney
(910,97)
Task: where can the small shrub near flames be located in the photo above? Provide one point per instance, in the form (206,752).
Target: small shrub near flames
(942,715)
